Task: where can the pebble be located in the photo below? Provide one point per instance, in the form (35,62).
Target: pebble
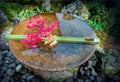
(10,72)
(23,81)
(88,73)
(29,78)
(2,72)
(8,60)
(81,70)
(17,62)
(25,76)
(117,79)
(33,80)
(12,80)
(4,52)
(99,79)
(69,80)
(80,80)
(6,79)
(18,67)
(23,71)
(5,74)
(92,78)
(37,80)
(93,72)
(3,45)
(0,80)
(89,64)
(12,65)
(0,58)
(94,61)
(87,80)
(9,54)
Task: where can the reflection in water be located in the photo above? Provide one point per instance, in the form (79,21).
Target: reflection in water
(73,27)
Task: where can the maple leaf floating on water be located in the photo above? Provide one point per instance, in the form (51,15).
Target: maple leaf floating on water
(32,40)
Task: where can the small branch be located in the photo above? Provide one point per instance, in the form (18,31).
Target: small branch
(61,39)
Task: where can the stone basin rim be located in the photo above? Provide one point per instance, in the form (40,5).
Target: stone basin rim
(54,69)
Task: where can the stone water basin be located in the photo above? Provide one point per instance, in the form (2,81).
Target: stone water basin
(55,63)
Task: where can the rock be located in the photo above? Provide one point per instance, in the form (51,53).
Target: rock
(94,60)
(5,74)
(6,79)
(9,54)
(89,64)
(23,71)
(69,80)
(99,79)
(0,58)
(17,62)
(46,4)
(23,81)
(8,60)
(18,20)
(100,49)
(84,77)
(10,72)
(92,78)
(4,67)
(3,19)
(2,72)
(80,80)
(37,80)
(12,80)
(4,52)
(25,76)
(81,70)
(3,44)
(18,67)
(77,9)
(12,65)
(33,80)
(87,72)
(87,80)
(92,69)
(93,72)
(29,78)
(116,79)
(111,64)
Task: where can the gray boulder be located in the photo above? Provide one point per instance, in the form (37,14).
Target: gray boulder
(77,9)
(3,19)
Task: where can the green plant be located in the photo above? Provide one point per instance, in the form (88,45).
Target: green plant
(25,12)
(10,8)
(14,10)
(100,15)
(96,25)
